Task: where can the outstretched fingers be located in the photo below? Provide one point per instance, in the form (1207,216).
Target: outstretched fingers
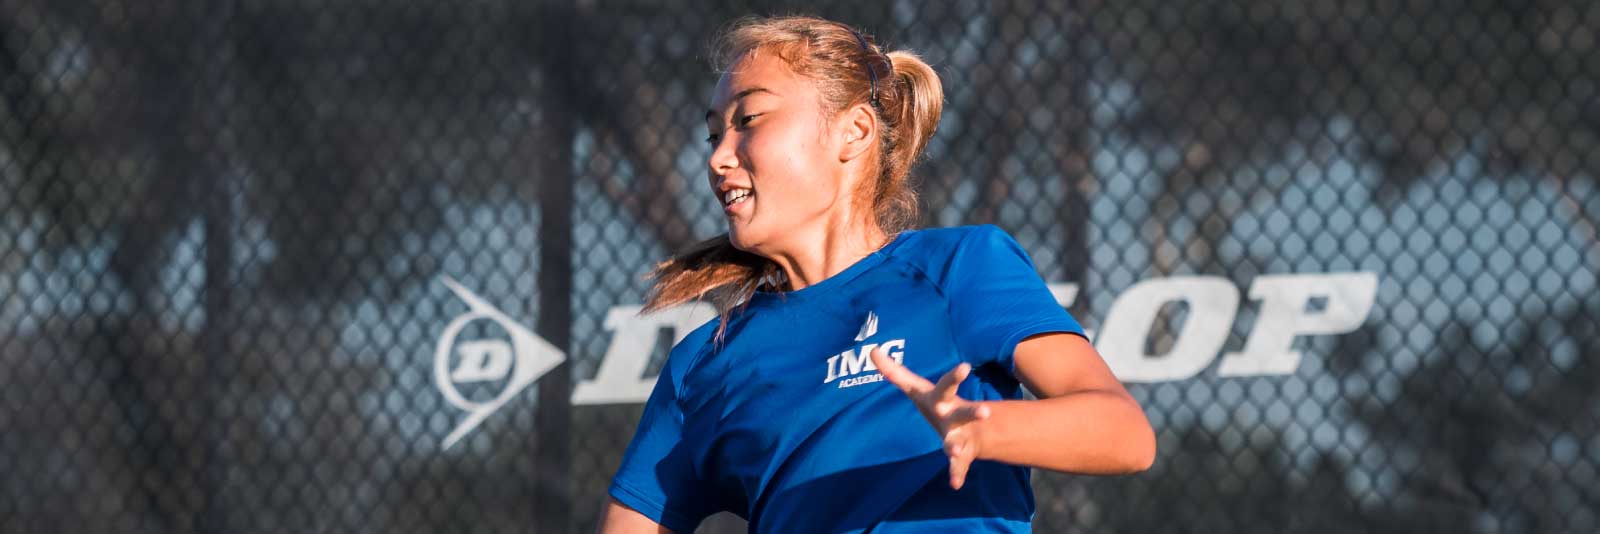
(961,452)
(966,412)
(943,407)
(946,388)
(897,374)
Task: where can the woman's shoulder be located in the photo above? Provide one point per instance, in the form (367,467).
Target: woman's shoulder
(692,346)
(936,243)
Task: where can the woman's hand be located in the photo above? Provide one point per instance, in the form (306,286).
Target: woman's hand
(952,416)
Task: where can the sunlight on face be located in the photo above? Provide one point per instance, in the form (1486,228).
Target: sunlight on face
(770,155)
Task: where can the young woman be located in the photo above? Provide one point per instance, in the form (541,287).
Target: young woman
(804,407)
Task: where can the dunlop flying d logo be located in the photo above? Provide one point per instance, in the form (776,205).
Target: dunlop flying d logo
(526,358)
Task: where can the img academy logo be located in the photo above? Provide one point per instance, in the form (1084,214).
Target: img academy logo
(848,368)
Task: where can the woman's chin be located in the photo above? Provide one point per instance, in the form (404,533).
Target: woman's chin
(742,239)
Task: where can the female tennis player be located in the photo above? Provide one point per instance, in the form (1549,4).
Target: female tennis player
(861,375)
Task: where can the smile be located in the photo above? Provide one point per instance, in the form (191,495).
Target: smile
(736,196)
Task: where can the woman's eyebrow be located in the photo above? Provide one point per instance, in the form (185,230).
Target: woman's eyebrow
(712,114)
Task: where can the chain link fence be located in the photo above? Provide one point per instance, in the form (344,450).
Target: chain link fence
(291,266)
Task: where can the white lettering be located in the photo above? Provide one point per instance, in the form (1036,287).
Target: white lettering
(1212,302)
(896,351)
(833,369)
(1065,293)
(1289,309)
(482,360)
(859,380)
(858,361)
(1347,299)
(620,378)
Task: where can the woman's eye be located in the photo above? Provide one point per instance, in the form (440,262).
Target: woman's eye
(742,121)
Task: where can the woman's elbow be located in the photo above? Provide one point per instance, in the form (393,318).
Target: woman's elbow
(1139,450)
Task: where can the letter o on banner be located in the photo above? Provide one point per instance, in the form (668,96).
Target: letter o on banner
(1212,301)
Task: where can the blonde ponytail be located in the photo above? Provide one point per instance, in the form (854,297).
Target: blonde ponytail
(913,110)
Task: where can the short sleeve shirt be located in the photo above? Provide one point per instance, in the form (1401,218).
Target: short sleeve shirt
(787,423)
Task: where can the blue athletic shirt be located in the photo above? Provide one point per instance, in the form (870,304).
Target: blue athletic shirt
(787,423)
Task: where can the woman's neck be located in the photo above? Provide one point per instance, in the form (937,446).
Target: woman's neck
(827,251)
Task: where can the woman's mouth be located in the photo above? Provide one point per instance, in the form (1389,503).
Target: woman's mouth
(733,199)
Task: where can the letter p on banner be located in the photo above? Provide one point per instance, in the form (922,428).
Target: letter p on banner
(1284,298)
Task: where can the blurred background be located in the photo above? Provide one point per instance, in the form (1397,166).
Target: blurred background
(348,266)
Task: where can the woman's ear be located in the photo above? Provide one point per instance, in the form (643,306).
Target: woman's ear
(858,132)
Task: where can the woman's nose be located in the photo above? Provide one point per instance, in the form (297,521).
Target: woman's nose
(722,158)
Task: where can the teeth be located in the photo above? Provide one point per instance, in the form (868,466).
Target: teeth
(735,196)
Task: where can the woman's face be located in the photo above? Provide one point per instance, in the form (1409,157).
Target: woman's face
(773,165)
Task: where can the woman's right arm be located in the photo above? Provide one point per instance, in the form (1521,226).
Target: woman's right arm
(657,487)
(620,519)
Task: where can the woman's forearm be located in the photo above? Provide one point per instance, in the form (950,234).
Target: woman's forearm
(1087,432)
